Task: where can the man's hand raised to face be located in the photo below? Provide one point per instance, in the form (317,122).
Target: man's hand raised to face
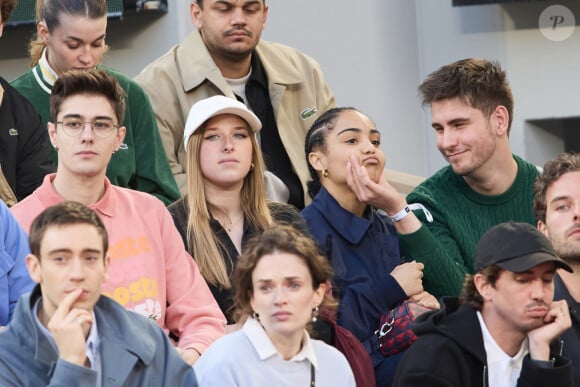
(69,327)
(556,321)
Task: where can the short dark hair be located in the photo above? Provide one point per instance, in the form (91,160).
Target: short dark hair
(63,214)
(92,82)
(552,171)
(6,7)
(480,83)
(278,238)
(469,294)
(316,140)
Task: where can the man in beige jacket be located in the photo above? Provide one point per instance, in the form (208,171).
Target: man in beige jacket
(225,55)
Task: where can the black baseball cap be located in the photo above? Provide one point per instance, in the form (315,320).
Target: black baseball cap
(516,247)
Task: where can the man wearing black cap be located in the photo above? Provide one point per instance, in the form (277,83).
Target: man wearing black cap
(498,333)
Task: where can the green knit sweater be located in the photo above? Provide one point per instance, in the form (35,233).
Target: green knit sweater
(141,163)
(461,216)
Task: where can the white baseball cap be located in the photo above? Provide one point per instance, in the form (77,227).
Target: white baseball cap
(203,110)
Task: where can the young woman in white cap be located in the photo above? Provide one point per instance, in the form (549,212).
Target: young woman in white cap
(226,201)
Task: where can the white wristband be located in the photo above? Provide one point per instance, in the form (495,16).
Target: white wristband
(408,208)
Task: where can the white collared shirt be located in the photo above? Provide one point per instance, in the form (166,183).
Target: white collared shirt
(247,358)
(266,349)
(48,74)
(503,370)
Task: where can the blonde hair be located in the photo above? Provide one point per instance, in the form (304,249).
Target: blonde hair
(201,240)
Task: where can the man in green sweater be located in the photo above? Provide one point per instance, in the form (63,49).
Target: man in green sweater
(484,184)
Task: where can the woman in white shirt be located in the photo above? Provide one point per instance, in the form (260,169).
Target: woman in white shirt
(280,282)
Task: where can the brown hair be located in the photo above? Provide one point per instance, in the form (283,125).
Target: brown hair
(480,83)
(202,242)
(6,7)
(64,214)
(553,170)
(278,238)
(50,12)
(469,294)
(91,82)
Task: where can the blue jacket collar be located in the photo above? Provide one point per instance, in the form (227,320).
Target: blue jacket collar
(348,225)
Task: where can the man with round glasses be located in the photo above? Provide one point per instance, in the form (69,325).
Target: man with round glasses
(101,127)
(150,272)
(71,35)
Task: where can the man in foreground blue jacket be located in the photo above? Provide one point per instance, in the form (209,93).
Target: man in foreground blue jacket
(500,331)
(65,333)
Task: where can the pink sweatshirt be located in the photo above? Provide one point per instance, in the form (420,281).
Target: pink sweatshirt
(150,272)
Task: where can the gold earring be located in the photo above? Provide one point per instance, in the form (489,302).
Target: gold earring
(252,167)
(325,173)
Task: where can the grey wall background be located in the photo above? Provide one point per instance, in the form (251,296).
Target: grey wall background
(374,53)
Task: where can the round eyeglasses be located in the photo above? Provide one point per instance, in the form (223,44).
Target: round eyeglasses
(102,127)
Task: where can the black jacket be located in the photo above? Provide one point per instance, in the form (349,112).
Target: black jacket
(24,143)
(450,352)
(570,338)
